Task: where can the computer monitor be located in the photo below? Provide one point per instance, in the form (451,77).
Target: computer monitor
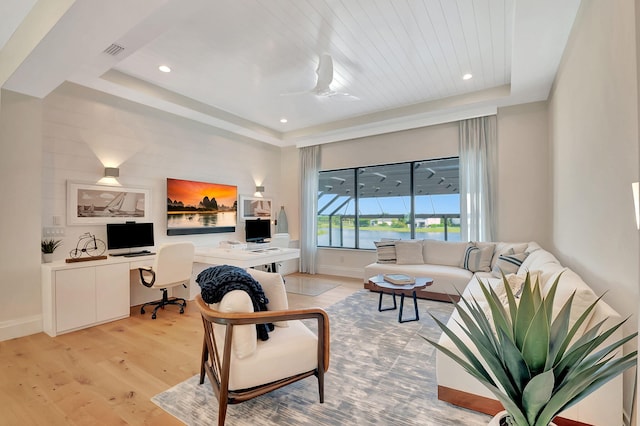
(256,230)
(129,235)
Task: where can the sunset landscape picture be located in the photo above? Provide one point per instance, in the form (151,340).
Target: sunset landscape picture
(200,206)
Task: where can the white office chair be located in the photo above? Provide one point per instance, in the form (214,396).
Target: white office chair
(173,267)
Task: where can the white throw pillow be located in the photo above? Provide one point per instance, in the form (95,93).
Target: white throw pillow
(386,251)
(273,286)
(508,263)
(506,248)
(245,337)
(409,253)
(477,259)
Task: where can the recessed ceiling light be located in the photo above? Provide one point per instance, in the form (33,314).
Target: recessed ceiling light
(283,120)
(164,68)
(467,76)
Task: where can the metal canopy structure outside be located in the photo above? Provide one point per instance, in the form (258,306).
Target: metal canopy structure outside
(386,190)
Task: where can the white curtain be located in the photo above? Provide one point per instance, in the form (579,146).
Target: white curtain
(478,151)
(309,169)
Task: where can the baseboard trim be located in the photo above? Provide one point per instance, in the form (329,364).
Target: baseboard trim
(486,405)
(20,327)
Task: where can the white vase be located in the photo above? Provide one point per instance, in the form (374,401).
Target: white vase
(495,421)
(47,257)
(282,226)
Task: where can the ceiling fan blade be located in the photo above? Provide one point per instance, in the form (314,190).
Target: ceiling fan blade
(325,74)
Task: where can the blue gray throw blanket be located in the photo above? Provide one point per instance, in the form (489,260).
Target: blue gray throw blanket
(217,281)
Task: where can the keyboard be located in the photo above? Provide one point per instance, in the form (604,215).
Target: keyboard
(138,254)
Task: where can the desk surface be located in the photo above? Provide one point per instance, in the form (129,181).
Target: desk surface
(208,255)
(244,258)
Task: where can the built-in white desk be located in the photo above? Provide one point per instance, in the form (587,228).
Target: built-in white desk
(83,294)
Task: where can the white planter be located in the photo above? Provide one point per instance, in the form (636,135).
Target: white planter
(47,257)
(495,421)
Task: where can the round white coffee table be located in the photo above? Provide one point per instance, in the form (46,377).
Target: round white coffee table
(377,283)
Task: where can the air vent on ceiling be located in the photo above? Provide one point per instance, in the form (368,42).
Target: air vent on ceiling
(114,49)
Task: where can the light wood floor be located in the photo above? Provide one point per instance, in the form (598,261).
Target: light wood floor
(106,375)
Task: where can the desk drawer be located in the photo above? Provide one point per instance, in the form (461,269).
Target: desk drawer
(140,264)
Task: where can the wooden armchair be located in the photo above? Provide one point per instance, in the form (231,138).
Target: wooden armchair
(240,367)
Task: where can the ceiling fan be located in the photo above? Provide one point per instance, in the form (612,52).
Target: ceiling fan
(324,74)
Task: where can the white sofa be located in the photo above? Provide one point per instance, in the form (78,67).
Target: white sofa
(442,262)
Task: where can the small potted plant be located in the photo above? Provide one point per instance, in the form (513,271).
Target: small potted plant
(48,246)
(535,365)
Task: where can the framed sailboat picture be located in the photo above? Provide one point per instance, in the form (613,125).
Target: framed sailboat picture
(254,207)
(89,204)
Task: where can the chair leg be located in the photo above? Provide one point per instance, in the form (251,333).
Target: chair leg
(205,357)
(320,376)
(222,406)
(160,304)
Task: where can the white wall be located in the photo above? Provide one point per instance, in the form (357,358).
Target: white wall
(523,196)
(20,171)
(290,190)
(594,139)
(85,130)
(594,133)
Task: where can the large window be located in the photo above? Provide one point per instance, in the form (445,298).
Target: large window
(419,199)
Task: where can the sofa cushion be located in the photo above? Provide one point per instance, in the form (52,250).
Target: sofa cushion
(476,258)
(446,279)
(508,263)
(536,259)
(443,252)
(386,251)
(409,253)
(584,296)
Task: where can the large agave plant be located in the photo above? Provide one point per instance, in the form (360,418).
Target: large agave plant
(538,368)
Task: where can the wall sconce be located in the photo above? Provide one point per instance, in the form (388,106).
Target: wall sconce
(113,172)
(635,186)
(259,191)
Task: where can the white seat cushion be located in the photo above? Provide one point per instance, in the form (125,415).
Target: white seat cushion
(289,351)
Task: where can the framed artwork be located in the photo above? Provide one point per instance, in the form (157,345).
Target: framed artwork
(200,207)
(254,207)
(90,204)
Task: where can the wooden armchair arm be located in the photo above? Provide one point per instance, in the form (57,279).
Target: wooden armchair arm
(262,317)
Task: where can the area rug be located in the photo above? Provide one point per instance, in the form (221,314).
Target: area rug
(308,286)
(381,373)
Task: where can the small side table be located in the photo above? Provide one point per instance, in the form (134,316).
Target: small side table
(381,286)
